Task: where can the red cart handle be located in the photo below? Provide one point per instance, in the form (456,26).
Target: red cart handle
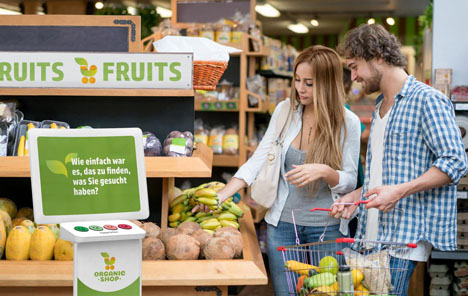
(361,202)
(320,209)
(345,240)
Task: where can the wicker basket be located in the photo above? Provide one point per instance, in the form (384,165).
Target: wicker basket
(207,73)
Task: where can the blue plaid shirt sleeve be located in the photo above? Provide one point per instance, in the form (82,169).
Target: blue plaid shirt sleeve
(441,134)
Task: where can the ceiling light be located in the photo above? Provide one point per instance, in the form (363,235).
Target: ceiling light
(132,10)
(390,21)
(371,21)
(267,10)
(298,28)
(314,22)
(99,5)
(164,12)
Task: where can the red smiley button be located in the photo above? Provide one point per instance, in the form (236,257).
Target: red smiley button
(110,227)
(124,226)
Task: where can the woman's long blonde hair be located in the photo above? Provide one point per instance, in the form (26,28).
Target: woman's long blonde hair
(328,105)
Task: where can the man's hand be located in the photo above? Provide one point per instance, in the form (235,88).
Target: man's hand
(346,211)
(385,197)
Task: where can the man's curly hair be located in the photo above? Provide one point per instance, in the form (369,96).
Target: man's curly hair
(372,42)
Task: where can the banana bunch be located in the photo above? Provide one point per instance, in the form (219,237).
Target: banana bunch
(181,210)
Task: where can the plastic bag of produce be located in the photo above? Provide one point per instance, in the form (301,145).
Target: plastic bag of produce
(178,144)
(231,142)
(201,134)
(374,266)
(215,142)
(151,144)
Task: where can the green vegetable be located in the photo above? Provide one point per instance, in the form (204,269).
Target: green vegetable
(321,279)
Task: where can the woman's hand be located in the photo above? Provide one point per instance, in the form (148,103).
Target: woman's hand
(301,175)
(346,211)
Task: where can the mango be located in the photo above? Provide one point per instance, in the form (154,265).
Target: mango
(29,225)
(25,212)
(8,206)
(3,238)
(42,244)
(17,244)
(6,221)
(63,250)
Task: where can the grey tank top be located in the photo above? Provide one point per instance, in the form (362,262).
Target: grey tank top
(301,200)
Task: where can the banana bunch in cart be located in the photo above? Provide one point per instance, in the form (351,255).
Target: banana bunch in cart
(346,266)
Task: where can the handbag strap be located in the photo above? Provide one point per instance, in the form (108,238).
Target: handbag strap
(282,123)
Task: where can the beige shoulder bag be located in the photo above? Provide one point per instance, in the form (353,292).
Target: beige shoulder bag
(265,187)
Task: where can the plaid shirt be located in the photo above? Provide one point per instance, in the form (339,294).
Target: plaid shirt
(421,133)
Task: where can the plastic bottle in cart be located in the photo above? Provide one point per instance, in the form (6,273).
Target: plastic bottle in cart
(345,281)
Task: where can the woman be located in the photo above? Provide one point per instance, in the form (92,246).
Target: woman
(320,157)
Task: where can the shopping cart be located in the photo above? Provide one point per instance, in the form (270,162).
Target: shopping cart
(346,266)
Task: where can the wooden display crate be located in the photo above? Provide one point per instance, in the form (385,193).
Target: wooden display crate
(163,277)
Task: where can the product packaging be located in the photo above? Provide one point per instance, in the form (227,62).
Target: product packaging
(54,124)
(151,144)
(231,142)
(201,134)
(21,141)
(3,139)
(178,144)
(215,142)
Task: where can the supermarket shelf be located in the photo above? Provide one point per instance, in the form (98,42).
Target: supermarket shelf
(453,255)
(57,274)
(124,92)
(224,160)
(275,74)
(212,105)
(460,106)
(199,165)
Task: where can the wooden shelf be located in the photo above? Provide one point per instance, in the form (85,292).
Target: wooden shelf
(224,160)
(199,165)
(123,92)
(247,271)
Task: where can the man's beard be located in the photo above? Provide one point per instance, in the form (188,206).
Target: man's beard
(373,83)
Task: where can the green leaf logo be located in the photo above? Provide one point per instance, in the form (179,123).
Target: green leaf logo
(57,167)
(81,62)
(70,156)
(104,254)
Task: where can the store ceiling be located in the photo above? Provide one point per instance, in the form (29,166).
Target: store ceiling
(333,14)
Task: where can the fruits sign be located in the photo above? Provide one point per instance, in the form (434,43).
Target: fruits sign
(96,70)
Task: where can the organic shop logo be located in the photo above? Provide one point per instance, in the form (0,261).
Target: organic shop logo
(86,72)
(109,261)
(110,275)
(59,168)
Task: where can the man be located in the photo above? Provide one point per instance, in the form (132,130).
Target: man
(415,155)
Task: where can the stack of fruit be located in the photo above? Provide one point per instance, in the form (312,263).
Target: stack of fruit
(321,280)
(22,239)
(187,207)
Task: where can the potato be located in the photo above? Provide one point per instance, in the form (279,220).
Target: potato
(152,230)
(137,223)
(183,247)
(188,227)
(166,234)
(153,249)
(218,232)
(218,248)
(235,240)
(202,237)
